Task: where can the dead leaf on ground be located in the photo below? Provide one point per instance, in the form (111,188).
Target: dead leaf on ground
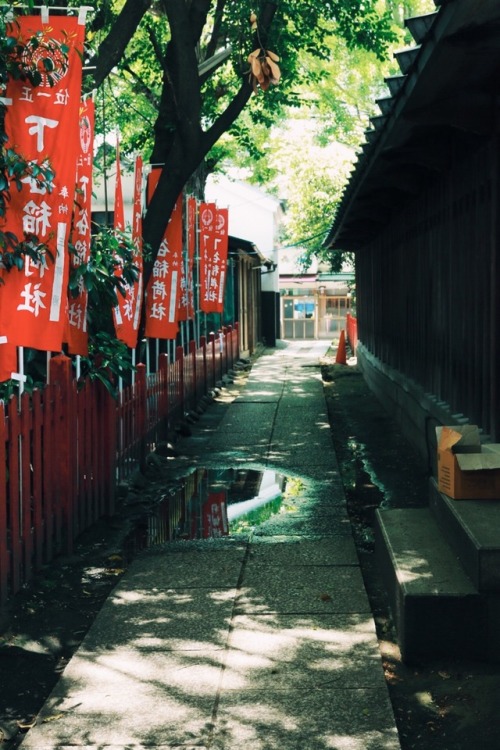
(54,717)
(25,725)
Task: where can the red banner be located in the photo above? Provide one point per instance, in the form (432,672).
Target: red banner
(119,212)
(206,219)
(186,302)
(213,256)
(129,308)
(76,334)
(42,124)
(8,359)
(219,261)
(214,512)
(162,293)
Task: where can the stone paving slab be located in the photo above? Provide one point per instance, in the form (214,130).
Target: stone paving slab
(300,551)
(187,619)
(307,526)
(302,652)
(355,719)
(187,565)
(90,717)
(311,589)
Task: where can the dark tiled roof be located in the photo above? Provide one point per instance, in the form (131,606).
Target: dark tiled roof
(449,83)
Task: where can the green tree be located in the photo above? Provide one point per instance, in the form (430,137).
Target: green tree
(186,64)
(331,112)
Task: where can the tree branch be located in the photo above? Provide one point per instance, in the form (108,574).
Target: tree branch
(226,118)
(198,12)
(148,94)
(112,48)
(237,104)
(180,104)
(216,31)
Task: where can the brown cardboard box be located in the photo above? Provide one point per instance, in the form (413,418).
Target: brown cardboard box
(467,470)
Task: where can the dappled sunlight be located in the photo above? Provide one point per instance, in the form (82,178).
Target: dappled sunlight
(319,719)
(413,566)
(294,651)
(188,671)
(364,742)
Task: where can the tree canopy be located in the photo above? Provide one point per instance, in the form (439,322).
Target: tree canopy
(179,73)
(191,82)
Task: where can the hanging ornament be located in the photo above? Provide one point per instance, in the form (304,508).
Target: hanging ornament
(264,70)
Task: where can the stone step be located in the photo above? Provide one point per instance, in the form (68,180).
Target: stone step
(472,529)
(436,608)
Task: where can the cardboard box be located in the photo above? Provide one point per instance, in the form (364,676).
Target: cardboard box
(467,470)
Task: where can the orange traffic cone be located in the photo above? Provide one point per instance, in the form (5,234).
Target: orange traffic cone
(340,359)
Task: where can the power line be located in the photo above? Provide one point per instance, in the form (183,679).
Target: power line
(306,239)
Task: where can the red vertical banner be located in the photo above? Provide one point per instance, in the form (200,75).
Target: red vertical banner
(119,211)
(213,256)
(39,121)
(214,513)
(206,216)
(219,265)
(76,334)
(8,359)
(138,249)
(129,306)
(119,226)
(163,288)
(186,301)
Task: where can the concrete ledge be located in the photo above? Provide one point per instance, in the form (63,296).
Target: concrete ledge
(436,609)
(472,529)
(416,412)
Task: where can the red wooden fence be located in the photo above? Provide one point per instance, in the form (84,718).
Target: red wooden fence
(63,449)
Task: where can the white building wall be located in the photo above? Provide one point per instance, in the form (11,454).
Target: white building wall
(253,216)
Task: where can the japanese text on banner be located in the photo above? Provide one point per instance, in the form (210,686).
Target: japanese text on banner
(129,305)
(213,256)
(163,288)
(186,301)
(38,120)
(76,334)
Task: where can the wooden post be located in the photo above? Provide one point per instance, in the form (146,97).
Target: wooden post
(203,344)
(179,357)
(163,396)
(4,534)
(64,443)
(141,386)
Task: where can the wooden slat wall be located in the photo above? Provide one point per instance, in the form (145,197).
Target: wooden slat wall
(426,302)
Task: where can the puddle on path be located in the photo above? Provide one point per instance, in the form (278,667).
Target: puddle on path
(212,503)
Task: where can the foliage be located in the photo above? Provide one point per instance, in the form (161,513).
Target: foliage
(296,32)
(14,168)
(110,269)
(35,374)
(106,275)
(152,57)
(331,109)
(147,59)
(109,360)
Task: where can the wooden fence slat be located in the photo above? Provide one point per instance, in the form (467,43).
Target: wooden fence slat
(37,479)
(14,495)
(48,471)
(4,547)
(60,375)
(25,459)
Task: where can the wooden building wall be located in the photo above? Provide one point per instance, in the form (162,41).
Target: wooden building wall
(427,286)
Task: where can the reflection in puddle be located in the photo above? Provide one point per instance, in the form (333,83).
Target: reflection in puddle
(212,503)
